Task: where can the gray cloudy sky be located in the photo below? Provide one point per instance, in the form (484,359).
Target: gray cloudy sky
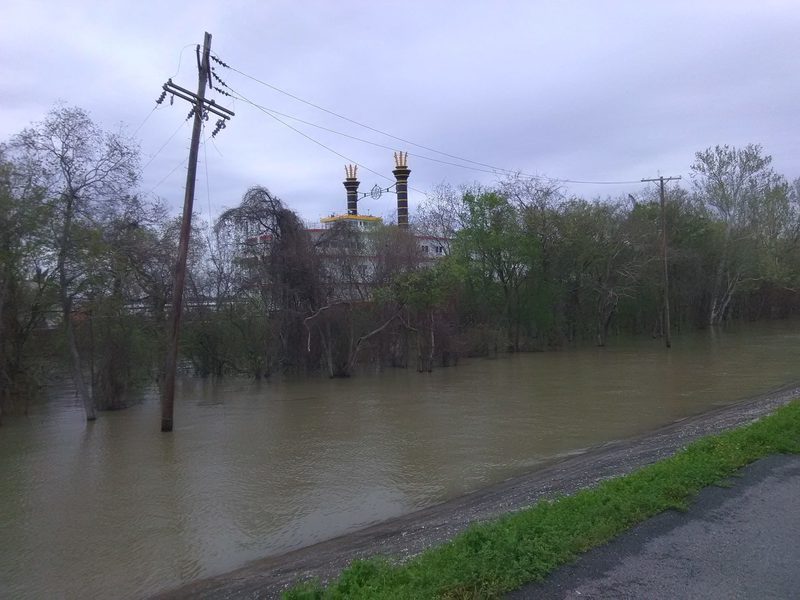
(598,91)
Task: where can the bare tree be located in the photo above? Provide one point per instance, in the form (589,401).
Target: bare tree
(440,216)
(86,173)
(731,183)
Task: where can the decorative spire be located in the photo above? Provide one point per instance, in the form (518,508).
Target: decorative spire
(401,173)
(351,185)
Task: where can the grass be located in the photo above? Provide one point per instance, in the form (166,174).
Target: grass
(491,558)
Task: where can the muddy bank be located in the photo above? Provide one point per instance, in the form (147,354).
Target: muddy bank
(408,535)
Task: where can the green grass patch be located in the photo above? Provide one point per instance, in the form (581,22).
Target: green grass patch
(492,558)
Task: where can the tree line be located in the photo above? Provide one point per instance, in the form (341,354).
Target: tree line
(86,268)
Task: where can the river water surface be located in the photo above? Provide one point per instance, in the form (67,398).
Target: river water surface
(116,509)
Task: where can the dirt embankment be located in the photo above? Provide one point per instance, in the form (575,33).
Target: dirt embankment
(408,535)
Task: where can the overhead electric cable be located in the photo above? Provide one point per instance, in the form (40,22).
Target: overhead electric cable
(180,58)
(163,179)
(494,169)
(205,166)
(354,122)
(628,182)
(370,142)
(150,114)
(164,145)
(308,137)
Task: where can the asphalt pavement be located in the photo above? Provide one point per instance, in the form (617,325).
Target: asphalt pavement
(736,542)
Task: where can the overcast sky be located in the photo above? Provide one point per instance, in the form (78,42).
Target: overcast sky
(594,91)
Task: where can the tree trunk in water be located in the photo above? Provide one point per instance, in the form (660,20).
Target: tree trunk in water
(721,301)
(605,312)
(328,343)
(66,306)
(77,374)
(5,379)
(420,365)
(433,347)
(425,351)
(718,302)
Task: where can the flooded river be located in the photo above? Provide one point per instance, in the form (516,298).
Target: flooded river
(118,509)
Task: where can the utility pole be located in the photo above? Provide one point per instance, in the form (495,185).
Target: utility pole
(661,180)
(200,108)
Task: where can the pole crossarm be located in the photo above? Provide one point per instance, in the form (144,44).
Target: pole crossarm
(209,105)
(662,179)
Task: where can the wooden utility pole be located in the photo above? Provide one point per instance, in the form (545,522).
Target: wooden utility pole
(201,108)
(661,180)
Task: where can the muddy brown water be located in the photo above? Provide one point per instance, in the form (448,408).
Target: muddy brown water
(118,509)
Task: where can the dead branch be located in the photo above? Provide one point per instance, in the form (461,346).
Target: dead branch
(365,337)
(316,314)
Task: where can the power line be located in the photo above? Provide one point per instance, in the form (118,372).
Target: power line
(494,169)
(365,141)
(217,149)
(180,58)
(627,182)
(164,145)
(422,156)
(308,137)
(354,122)
(163,179)
(150,114)
(205,166)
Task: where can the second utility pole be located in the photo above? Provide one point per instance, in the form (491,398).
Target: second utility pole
(168,390)
(661,180)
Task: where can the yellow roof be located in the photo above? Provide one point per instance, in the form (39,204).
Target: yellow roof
(335,218)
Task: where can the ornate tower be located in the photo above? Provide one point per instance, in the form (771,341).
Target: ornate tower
(401,173)
(351,185)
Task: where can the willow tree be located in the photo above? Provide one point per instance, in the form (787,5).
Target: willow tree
(276,264)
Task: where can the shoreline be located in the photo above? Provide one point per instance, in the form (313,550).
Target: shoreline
(403,537)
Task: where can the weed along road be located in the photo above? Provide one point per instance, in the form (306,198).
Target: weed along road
(733,542)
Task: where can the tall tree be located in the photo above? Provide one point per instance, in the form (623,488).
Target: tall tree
(277,264)
(732,183)
(85,173)
(25,281)
(494,242)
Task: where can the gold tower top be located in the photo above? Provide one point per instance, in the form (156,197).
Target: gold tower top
(400,160)
(351,171)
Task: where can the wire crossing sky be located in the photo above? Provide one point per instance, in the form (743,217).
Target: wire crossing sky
(479,166)
(589,96)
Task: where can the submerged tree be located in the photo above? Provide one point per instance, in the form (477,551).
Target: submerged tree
(732,184)
(277,266)
(85,175)
(495,245)
(26,283)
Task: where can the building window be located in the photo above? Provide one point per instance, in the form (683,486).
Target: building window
(425,249)
(439,249)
